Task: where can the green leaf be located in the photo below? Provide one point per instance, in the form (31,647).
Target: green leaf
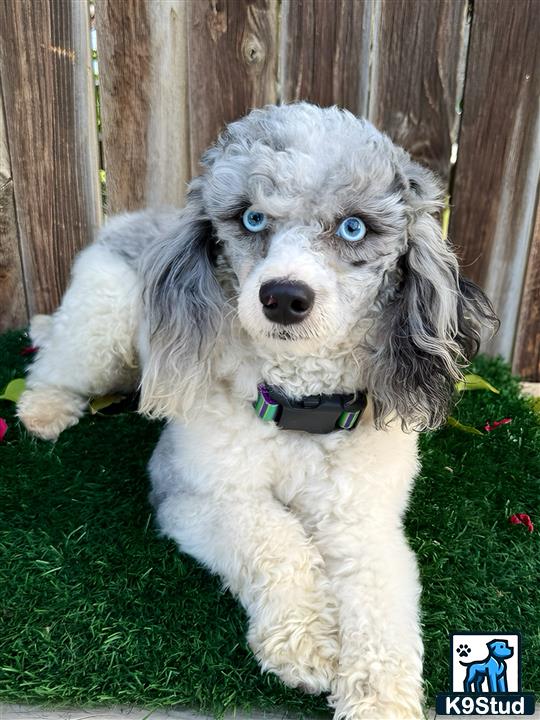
(445,218)
(474,382)
(99,403)
(13,390)
(464,428)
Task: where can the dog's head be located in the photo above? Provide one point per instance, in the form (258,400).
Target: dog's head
(500,649)
(317,231)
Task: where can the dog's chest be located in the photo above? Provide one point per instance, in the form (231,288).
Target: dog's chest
(301,459)
(364,464)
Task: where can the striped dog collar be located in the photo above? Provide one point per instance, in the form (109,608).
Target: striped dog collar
(318,414)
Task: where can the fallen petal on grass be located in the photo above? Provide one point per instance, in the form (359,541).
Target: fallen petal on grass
(522,519)
(488,427)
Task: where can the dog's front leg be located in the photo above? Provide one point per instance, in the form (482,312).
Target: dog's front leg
(374,577)
(356,526)
(263,555)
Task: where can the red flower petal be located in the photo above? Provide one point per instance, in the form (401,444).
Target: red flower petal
(488,427)
(522,519)
(3,428)
(29,350)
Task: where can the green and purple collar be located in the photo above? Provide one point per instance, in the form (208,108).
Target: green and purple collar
(318,414)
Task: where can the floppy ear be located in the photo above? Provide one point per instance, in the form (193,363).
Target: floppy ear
(182,311)
(431,326)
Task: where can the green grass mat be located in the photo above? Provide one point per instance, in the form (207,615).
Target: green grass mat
(95,609)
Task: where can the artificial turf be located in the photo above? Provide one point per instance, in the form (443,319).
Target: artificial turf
(96,609)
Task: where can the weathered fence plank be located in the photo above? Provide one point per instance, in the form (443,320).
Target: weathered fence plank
(498,165)
(13,312)
(44,56)
(85,117)
(527,347)
(143,73)
(232,64)
(418,55)
(325,52)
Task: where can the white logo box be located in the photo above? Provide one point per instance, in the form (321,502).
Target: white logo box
(479,651)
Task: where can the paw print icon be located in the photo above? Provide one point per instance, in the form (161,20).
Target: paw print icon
(463,650)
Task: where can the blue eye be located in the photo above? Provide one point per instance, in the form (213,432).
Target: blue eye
(352,229)
(254,221)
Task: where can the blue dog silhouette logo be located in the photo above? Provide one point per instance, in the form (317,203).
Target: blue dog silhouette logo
(485,676)
(492,668)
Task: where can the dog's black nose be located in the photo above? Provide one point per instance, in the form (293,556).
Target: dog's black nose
(286,302)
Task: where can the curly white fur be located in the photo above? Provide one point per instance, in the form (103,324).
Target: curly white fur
(306,530)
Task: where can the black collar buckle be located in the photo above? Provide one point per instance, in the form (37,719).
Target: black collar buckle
(318,414)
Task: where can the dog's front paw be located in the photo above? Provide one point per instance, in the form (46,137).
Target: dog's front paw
(373,709)
(378,690)
(301,648)
(47,411)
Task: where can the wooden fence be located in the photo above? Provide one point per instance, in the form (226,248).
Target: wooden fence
(456,82)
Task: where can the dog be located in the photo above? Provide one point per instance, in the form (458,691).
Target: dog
(296,324)
(493,669)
